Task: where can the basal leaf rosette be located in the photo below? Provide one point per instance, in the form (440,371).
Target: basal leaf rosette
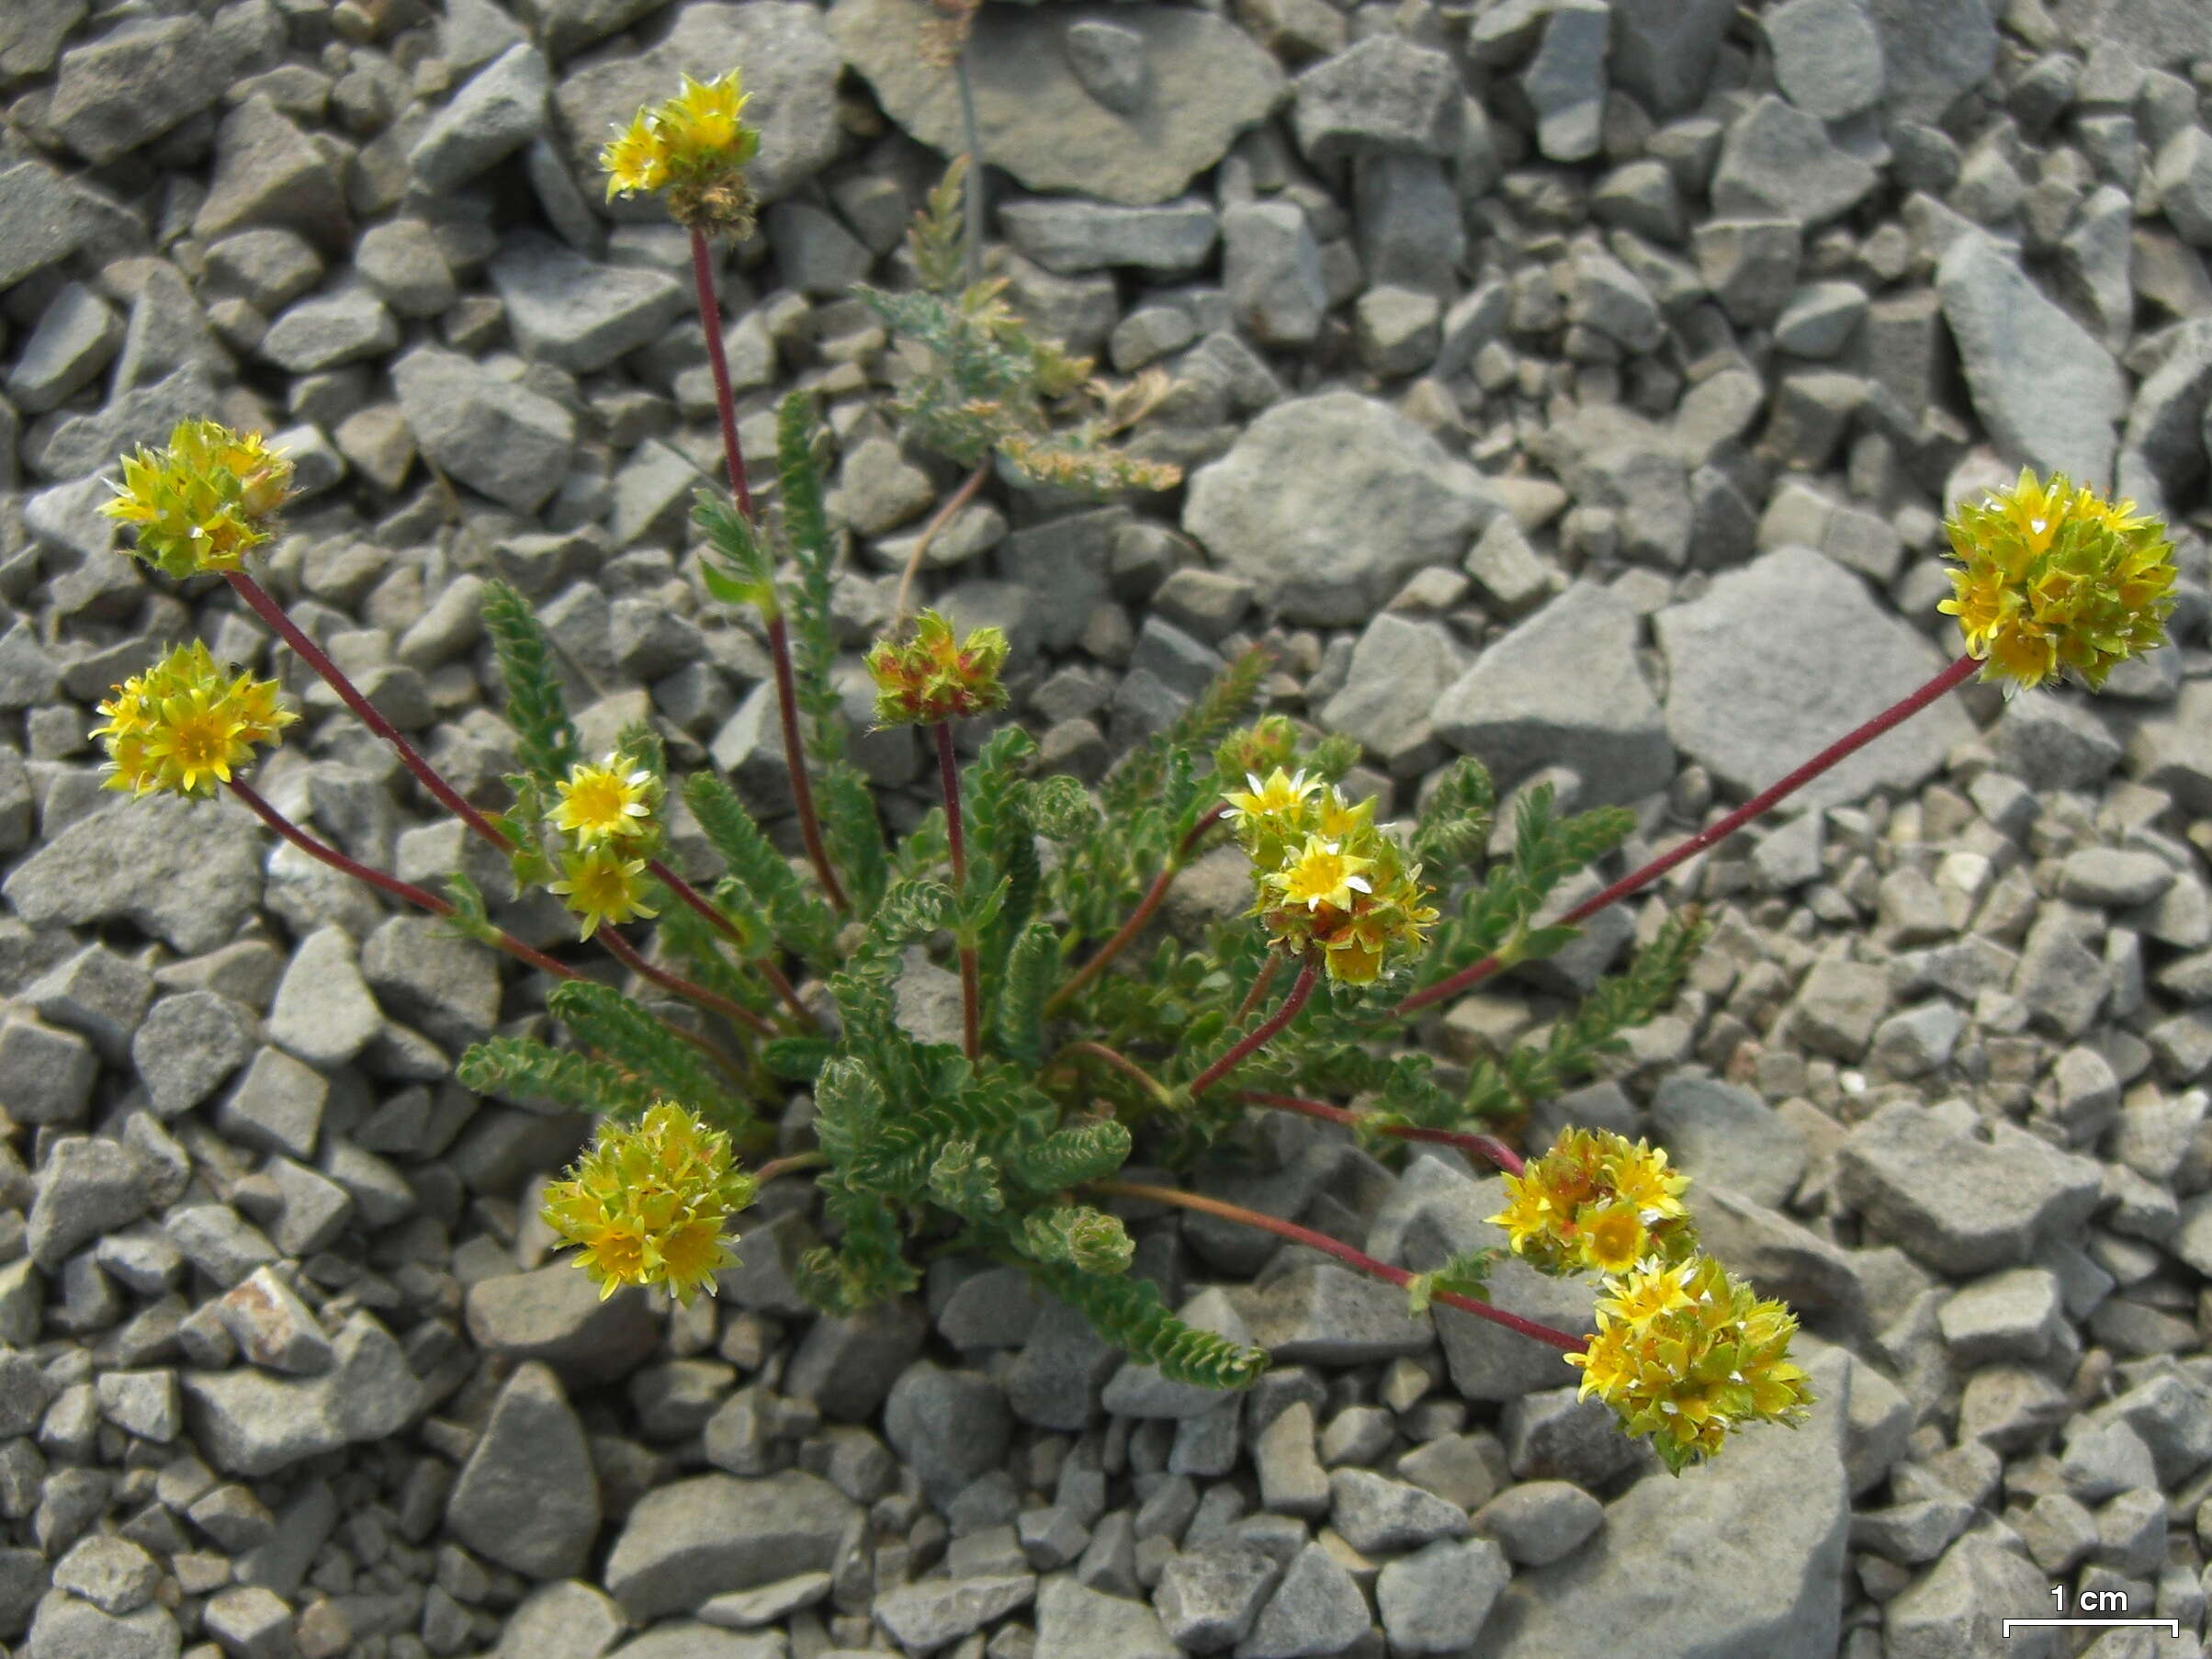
(2053,576)
(690,150)
(648,1203)
(204,501)
(186,725)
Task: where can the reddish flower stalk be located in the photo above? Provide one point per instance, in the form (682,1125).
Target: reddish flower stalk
(313,655)
(1487,1147)
(1851,741)
(788,1166)
(779,636)
(1121,1062)
(1253,998)
(1562,1341)
(1308,977)
(938,520)
(676,985)
(1129,929)
(971,989)
(764,965)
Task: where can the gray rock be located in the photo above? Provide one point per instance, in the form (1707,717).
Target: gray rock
(1377,1515)
(185,872)
(1565,82)
(1069,236)
(1999,1197)
(847,1365)
(1327,503)
(1320,1313)
(39,28)
(1081,1622)
(934,1612)
(1751,693)
(1207,82)
(1397,329)
(1383,96)
(87,1187)
(276,1106)
(1316,1610)
(1292,1481)
(1208,1599)
(113,1574)
(501,109)
(1064,562)
(693,1539)
(1646,1584)
(253,1423)
(1538,1522)
(1718,1132)
(579,315)
(1399,671)
(2162,451)
(267,171)
(97,992)
(1436,1600)
(273,1328)
(1140,1391)
(948,1426)
(1962,1601)
(1820,319)
(1662,50)
(1827,56)
(67,1628)
(495,437)
(1777,159)
(134,83)
(790,69)
(76,337)
(2184,183)
(1110,61)
(403,264)
(1271,267)
(528,1497)
(2049,394)
(1563,688)
(340,327)
(446,986)
(555,1314)
(1933,51)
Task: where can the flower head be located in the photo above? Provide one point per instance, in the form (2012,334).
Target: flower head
(1282,797)
(204,501)
(2052,577)
(1597,1202)
(184,725)
(606,802)
(649,1203)
(602,886)
(932,678)
(1687,1354)
(693,149)
(1322,872)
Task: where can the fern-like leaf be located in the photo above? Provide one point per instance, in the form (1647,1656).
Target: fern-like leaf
(1454,827)
(1080,1236)
(738,567)
(1071,1155)
(520,1068)
(1032,971)
(602,1017)
(545,740)
(802,922)
(1128,1313)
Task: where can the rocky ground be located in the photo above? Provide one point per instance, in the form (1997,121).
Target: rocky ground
(1576,384)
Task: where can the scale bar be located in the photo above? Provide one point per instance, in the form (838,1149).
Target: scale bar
(2172,1626)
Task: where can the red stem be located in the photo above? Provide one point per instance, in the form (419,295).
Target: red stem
(313,655)
(676,985)
(1487,1147)
(718,360)
(971,987)
(1718,831)
(764,965)
(1360,1259)
(1120,1062)
(1143,913)
(1253,998)
(1308,976)
(794,758)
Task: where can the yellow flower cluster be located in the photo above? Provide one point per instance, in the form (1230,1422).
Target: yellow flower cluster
(692,148)
(1684,1351)
(609,818)
(1596,1203)
(933,678)
(647,1204)
(184,724)
(204,501)
(1687,1353)
(1327,879)
(2053,576)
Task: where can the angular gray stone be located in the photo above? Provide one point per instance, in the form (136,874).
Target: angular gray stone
(1086,1623)
(1752,692)
(1327,503)
(1207,82)
(1316,1610)
(577,314)
(948,1426)
(693,1539)
(343,326)
(135,84)
(497,437)
(1827,56)
(1538,1522)
(1208,1598)
(1662,51)
(931,1613)
(1271,267)
(2049,394)
(555,1314)
(1564,688)
(1565,82)
(185,872)
(1779,159)
(790,72)
(87,1187)
(1960,1203)
(447,986)
(1436,1599)
(67,1628)
(1399,671)
(76,337)
(1646,1584)
(252,1423)
(188,1044)
(1383,96)
(528,1496)
(501,109)
(1717,1131)
(267,171)
(1070,236)
(1378,1516)
(1933,51)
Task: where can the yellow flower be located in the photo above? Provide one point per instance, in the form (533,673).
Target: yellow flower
(1613,1239)
(1689,1354)
(648,1204)
(1595,1203)
(600,803)
(932,678)
(204,501)
(692,148)
(602,886)
(184,725)
(1281,795)
(1323,874)
(2052,577)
